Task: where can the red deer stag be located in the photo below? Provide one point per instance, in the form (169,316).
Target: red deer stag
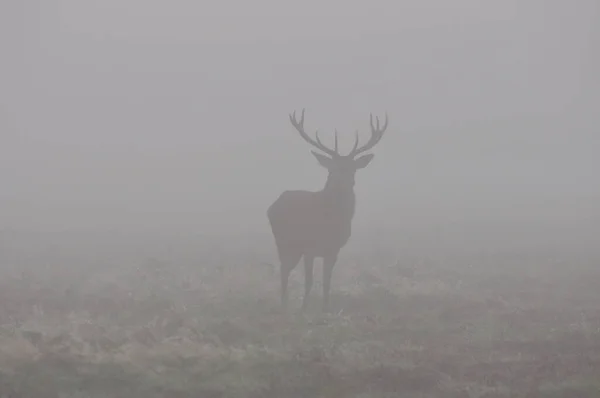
(318,224)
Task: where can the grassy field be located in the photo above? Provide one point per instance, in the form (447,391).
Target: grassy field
(480,326)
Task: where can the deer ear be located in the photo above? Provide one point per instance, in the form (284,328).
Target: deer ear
(323,160)
(363,161)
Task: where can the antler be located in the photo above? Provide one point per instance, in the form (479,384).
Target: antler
(376,134)
(299,125)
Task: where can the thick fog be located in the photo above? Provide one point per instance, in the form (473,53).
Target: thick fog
(122,116)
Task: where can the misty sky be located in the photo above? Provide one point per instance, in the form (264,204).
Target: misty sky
(167,114)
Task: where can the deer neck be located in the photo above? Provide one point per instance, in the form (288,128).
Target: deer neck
(340,200)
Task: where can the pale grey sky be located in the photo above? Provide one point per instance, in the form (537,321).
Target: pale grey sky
(169,114)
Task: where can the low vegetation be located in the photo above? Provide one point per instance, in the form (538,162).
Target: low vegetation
(488,326)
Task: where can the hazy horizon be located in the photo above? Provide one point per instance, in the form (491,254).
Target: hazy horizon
(147,115)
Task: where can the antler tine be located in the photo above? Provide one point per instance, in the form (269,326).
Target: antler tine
(336,142)
(373,128)
(376,133)
(355,143)
(321,145)
(299,125)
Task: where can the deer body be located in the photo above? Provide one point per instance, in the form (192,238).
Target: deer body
(308,224)
(316,224)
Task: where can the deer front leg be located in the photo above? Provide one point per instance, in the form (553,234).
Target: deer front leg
(288,263)
(285,276)
(308,279)
(328,264)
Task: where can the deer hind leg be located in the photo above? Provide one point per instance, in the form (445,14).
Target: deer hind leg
(288,263)
(308,279)
(328,264)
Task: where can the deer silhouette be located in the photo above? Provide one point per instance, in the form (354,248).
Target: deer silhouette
(318,224)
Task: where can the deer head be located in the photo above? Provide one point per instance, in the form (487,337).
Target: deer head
(342,168)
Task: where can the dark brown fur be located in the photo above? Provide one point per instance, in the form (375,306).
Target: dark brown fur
(309,224)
